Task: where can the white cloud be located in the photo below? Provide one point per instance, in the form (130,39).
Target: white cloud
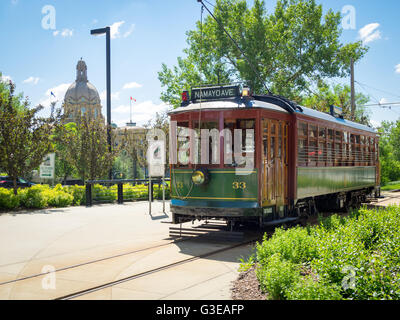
(95,21)
(397,68)
(128,33)
(141,112)
(67,33)
(64,33)
(383,100)
(33,80)
(59,92)
(114,29)
(370,33)
(131,85)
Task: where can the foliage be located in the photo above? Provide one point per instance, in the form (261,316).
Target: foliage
(42,196)
(78,194)
(340,96)
(308,288)
(277,276)
(85,143)
(389,151)
(288,49)
(8,200)
(25,137)
(357,257)
(63,167)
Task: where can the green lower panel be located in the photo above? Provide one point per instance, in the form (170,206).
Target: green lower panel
(223,185)
(317,181)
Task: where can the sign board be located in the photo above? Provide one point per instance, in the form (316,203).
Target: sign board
(213,93)
(156,158)
(47,166)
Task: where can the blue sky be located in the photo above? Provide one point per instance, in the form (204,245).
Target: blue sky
(147,33)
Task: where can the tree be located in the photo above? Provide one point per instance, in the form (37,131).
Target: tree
(63,167)
(86,144)
(134,146)
(289,49)
(388,151)
(25,138)
(338,95)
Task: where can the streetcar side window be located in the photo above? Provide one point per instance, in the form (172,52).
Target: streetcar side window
(183,144)
(242,150)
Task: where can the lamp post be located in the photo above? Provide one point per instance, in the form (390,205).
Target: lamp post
(106,31)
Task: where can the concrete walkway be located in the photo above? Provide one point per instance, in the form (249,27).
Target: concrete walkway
(389,198)
(37,242)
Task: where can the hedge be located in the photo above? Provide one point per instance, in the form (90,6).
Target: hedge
(43,196)
(356,258)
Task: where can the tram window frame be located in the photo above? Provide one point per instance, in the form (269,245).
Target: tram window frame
(179,125)
(234,123)
(312,145)
(195,127)
(321,149)
(302,135)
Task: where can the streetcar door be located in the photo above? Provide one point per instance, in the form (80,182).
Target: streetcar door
(275,154)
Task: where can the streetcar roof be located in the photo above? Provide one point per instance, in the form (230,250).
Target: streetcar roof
(239,103)
(328,117)
(233,103)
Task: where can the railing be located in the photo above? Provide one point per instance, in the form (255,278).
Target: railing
(109,191)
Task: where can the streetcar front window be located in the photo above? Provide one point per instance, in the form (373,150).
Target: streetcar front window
(239,145)
(183,143)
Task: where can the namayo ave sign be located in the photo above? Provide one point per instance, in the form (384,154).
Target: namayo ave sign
(212,93)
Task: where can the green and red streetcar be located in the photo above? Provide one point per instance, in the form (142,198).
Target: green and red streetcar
(262,158)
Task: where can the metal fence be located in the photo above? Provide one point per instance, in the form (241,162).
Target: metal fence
(120,191)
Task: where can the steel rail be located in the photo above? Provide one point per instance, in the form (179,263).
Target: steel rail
(91,262)
(149,272)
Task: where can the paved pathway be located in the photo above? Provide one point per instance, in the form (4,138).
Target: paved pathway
(41,241)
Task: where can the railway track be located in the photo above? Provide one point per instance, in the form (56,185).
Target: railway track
(91,262)
(158,269)
(175,239)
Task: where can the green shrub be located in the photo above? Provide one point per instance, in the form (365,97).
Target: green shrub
(78,193)
(294,244)
(357,257)
(310,289)
(104,194)
(277,276)
(57,197)
(7,199)
(33,197)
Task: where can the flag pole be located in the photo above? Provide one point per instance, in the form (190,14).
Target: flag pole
(130,104)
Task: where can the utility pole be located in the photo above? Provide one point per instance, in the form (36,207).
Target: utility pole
(353,99)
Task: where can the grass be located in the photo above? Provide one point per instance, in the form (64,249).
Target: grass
(395,185)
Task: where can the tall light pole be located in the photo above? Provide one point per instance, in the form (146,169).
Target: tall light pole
(106,31)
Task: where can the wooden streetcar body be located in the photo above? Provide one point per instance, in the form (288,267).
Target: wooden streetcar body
(335,164)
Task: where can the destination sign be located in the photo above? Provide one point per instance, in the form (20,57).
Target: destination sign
(212,93)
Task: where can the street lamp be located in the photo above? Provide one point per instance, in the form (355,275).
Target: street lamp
(106,31)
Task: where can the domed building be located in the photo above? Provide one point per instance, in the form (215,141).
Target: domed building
(82,97)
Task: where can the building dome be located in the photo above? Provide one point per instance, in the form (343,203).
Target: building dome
(82,90)
(82,97)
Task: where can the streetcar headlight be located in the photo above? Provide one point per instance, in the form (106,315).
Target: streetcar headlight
(198,177)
